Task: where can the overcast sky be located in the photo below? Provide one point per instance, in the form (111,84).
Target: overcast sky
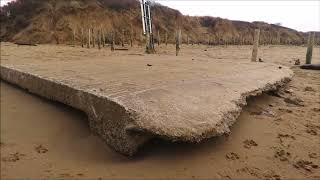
(300,15)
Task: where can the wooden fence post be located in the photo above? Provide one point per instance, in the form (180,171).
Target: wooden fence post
(278,38)
(255,45)
(178,41)
(93,38)
(74,38)
(159,39)
(310,47)
(99,38)
(89,38)
(166,38)
(112,41)
(122,39)
(188,40)
(82,38)
(131,38)
(103,38)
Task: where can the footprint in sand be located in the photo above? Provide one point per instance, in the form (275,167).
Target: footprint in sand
(13,157)
(272,176)
(249,143)
(41,150)
(294,101)
(285,139)
(312,129)
(65,175)
(316,109)
(282,155)
(284,110)
(306,165)
(232,156)
(309,88)
(313,155)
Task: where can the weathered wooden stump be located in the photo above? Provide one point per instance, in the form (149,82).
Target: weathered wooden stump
(255,45)
(310,48)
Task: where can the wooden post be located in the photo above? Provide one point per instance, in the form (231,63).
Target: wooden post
(112,41)
(103,38)
(74,38)
(141,38)
(122,39)
(89,38)
(150,44)
(93,38)
(82,38)
(178,41)
(278,37)
(166,38)
(255,45)
(188,40)
(208,39)
(310,47)
(131,38)
(159,38)
(99,39)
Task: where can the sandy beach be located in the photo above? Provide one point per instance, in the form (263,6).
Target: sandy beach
(276,136)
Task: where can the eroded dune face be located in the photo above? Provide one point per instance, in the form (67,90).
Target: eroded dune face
(55,21)
(128,102)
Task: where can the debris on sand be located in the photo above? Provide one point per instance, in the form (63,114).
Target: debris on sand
(267,112)
(149,65)
(297,62)
(25,44)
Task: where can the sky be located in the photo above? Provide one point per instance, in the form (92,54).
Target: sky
(299,15)
(4,2)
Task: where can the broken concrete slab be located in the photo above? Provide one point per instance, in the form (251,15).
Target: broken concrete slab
(128,102)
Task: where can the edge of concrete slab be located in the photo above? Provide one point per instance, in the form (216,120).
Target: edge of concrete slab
(113,122)
(107,118)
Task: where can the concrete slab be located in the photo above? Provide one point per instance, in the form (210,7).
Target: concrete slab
(130,98)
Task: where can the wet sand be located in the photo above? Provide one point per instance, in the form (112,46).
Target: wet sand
(273,138)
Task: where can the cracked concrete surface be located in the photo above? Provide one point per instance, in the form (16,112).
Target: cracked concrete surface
(128,102)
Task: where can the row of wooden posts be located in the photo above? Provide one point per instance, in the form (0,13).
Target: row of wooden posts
(256,45)
(100,37)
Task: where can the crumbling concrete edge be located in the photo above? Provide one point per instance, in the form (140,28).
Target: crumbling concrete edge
(107,118)
(228,117)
